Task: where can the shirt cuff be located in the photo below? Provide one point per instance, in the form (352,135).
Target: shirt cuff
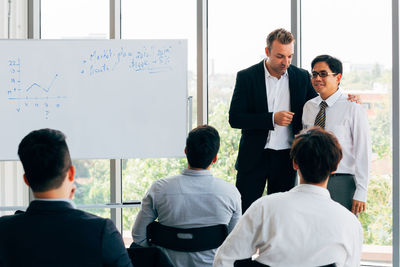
(360,195)
(273,122)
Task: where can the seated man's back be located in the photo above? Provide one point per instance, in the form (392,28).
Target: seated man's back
(302,227)
(193,199)
(53,233)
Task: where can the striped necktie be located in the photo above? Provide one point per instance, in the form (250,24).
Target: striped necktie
(320,119)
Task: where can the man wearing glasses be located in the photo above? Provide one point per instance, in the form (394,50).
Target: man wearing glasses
(349,122)
(267,105)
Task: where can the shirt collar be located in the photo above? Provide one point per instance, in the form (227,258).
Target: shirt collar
(268,75)
(312,189)
(332,99)
(58,199)
(190,172)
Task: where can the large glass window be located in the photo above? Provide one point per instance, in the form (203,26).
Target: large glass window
(156,19)
(75,19)
(90,19)
(13,191)
(237,32)
(359,34)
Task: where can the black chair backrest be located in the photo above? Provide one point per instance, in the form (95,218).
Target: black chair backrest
(187,240)
(251,263)
(148,257)
(248,263)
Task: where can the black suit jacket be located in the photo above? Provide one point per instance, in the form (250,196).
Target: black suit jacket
(249,109)
(53,233)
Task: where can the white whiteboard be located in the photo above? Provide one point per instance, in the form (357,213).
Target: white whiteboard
(111,98)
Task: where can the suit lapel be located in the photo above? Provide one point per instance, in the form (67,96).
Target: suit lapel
(262,92)
(292,87)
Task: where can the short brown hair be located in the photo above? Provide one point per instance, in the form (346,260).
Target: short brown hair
(317,153)
(281,35)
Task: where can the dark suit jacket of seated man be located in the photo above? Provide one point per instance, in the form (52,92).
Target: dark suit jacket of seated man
(193,199)
(52,232)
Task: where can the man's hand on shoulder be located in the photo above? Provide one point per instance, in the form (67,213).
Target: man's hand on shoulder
(283,118)
(354,98)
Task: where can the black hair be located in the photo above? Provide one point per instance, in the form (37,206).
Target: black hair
(45,157)
(334,64)
(317,153)
(202,145)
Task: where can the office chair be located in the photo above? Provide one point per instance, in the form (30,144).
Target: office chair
(186,240)
(148,257)
(250,263)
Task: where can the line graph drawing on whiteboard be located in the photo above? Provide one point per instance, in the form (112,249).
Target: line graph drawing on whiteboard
(35,97)
(43,88)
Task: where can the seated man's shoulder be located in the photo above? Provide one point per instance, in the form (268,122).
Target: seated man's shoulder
(274,201)
(345,221)
(88,224)
(343,213)
(10,219)
(221,184)
(165,182)
(84,215)
(88,217)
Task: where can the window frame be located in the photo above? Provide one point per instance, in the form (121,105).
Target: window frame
(33,32)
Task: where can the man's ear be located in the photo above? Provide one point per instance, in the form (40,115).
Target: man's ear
(295,166)
(214,159)
(338,78)
(267,51)
(71,173)
(26,180)
(185,151)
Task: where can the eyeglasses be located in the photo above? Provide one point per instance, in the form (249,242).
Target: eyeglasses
(321,74)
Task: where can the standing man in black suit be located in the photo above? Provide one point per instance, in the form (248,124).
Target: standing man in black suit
(267,104)
(52,232)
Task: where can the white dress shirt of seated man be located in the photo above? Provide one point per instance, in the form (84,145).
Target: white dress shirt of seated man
(301,227)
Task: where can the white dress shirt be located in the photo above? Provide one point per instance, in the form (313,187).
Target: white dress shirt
(278,96)
(348,121)
(193,199)
(302,227)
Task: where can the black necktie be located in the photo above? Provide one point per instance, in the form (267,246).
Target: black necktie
(320,119)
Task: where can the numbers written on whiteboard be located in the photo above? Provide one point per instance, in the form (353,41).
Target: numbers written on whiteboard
(33,96)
